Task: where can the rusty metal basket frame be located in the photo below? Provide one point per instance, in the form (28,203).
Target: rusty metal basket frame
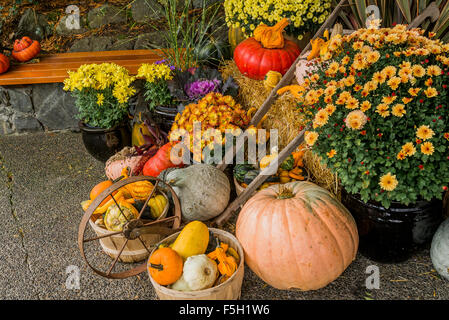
(133,229)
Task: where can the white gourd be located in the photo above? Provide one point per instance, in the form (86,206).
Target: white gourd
(202,189)
(199,272)
(439,250)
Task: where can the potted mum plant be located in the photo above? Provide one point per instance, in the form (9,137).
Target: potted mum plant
(102,92)
(156,92)
(380,105)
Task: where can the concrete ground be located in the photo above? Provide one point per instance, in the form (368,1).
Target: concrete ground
(43,179)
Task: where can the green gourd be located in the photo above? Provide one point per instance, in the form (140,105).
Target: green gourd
(241,169)
(202,189)
(288,163)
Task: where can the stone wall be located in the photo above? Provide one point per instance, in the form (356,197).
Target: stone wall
(38,107)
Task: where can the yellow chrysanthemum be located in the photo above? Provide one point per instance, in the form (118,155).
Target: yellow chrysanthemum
(356,119)
(321,118)
(352,103)
(331,153)
(310,137)
(427,148)
(366,105)
(418,71)
(388,99)
(414,91)
(379,77)
(100,99)
(424,132)
(409,149)
(383,110)
(330,109)
(431,92)
(398,110)
(388,182)
(394,83)
(434,70)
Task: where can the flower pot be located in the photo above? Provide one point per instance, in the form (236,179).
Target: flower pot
(393,234)
(165,116)
(103,143)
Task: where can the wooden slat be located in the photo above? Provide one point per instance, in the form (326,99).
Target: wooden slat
(53,68)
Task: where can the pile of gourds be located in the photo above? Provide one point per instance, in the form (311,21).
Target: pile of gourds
(196,260)
(128,200)
(291,169)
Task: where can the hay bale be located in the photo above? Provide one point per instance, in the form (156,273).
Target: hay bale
(283,114)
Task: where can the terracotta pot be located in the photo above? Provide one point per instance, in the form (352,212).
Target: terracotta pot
(165,116)
(393,234)
(103,143)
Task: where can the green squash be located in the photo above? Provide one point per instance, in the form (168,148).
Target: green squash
(241,169)
(250,176)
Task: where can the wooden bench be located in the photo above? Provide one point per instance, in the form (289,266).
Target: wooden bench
(53,68)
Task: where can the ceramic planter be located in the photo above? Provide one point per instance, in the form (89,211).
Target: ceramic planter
(103,143)
(394,234)
(165,116)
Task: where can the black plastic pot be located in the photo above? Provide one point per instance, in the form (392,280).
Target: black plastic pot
(394,234)
(103,143)
(165,116)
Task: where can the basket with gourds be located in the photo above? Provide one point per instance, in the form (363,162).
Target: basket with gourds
(197,261)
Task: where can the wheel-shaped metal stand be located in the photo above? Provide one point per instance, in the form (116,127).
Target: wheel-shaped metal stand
(133,229)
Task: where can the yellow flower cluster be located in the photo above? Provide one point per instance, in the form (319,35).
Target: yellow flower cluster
(101,77)
(304,15)
(154,71)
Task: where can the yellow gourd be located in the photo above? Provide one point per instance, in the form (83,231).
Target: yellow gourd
(271,79)
(157,205)
(192,240)
(271,37)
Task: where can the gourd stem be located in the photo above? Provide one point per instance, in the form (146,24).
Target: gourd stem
(159,267)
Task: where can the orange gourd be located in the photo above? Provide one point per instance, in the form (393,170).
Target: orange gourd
(271,37)
(165,266)
(25,49)
(297,235)
(99,188)
(4,63)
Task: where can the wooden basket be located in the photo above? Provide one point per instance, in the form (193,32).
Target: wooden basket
(134,250)
(228,290)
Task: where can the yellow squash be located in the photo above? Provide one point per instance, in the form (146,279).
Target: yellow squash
(192,240)
(157,205)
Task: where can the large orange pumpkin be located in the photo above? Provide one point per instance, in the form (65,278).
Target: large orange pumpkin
(297,237)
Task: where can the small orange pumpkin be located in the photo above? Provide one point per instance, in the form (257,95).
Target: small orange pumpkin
(165,266)
(99,188)
(25,49)
(297,236)
(4,63)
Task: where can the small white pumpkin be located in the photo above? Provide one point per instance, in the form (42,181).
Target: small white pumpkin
(199,272)
(181,285)
(439,250)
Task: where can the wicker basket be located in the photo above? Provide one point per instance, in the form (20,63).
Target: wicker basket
(134,250)
(228,290)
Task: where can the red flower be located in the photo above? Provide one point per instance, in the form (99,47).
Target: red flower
(421,100)
(363,132)
(444,188)
(418,141)
(421,166)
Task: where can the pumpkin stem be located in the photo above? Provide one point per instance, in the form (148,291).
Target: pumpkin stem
(284,192)
(159,267)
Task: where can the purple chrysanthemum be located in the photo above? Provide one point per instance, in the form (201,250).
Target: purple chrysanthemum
(200,88)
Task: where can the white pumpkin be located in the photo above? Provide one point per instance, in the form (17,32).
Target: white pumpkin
(202,189)
(120,160)
(199,272)
(439,250)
